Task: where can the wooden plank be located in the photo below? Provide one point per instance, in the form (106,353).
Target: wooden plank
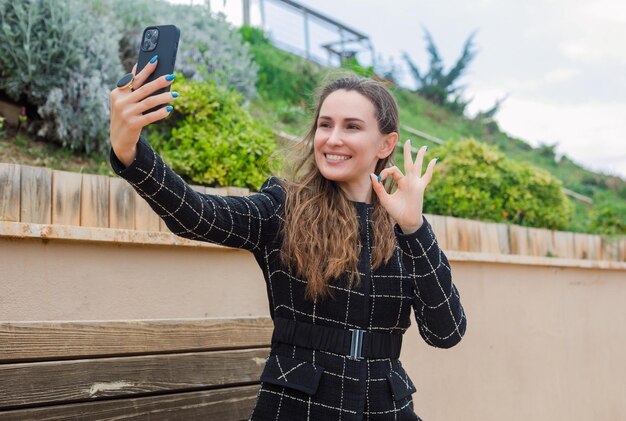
(23,341)
(611,247)
(10,192)
(564,244)
(518,237)
(581,246)
(596,247)
(541,242)
(468,236)
(489,238)
(503,238)
(145,218)
(121,204)
(94,209)
(438,223)
(231,404)
(36,194)
(66,192)
(452,231)
(46,383)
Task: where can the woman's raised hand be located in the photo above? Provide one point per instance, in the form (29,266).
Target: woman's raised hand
(406,203)
(127,107)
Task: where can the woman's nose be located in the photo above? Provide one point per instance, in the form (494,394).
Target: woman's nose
(334,137)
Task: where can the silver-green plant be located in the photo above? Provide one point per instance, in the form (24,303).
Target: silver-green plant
(60,58)
(210,48)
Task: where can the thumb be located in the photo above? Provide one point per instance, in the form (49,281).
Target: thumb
(379,188)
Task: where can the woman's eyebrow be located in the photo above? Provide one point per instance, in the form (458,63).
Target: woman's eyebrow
(323,117)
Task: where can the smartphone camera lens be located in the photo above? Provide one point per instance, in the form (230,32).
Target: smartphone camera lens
(150,39)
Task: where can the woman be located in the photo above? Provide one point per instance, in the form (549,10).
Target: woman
(343,260)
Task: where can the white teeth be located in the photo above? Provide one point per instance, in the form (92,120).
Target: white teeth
(337,157)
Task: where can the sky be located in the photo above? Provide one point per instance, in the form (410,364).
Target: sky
(561,62)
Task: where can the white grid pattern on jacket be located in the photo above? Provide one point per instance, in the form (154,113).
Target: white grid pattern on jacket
(418,276)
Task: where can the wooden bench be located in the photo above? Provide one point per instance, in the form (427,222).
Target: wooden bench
(157,369)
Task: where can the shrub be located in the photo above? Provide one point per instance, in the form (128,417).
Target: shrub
(475,181)
(59,58)
(210,139)
(607,216)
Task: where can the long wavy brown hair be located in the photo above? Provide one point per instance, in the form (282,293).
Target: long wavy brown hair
(320,232)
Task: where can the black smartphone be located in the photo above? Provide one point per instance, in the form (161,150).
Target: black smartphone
(161,40)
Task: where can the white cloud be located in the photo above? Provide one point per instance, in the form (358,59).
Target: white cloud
(609,10)
(560,75)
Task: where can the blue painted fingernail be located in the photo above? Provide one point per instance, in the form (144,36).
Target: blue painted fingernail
(379,178)
(410,141)
(170,77)
(169,108)
(175,94)
(426,148)
(153,59)
(436,159)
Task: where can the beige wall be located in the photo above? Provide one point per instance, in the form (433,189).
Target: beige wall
(544,342)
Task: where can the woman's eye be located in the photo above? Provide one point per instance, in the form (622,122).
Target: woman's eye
(352,126)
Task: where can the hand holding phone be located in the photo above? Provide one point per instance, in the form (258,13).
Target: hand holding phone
(133,110)
(159,41)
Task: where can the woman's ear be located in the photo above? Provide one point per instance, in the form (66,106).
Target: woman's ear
(388,145)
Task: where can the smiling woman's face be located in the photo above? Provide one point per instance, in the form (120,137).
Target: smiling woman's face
(348,143)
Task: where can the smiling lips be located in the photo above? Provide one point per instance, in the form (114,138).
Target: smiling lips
(337,157)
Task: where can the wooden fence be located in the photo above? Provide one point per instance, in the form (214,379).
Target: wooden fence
(142,369)
(44,196)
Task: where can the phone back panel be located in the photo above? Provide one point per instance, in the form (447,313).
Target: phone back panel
(166,48)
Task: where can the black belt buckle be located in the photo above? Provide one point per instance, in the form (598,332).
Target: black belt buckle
(356,344)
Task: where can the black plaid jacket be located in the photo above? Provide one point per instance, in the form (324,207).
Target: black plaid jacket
(310,384)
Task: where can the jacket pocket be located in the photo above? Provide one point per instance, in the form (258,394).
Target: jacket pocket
(400,383)
(293,373)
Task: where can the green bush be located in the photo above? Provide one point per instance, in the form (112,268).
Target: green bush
(473,180)
(210,139)
(59,59)
(607,216)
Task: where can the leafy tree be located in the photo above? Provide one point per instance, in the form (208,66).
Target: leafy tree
(436,84)
(441,87)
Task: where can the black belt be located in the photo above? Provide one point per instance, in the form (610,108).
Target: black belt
(354,343)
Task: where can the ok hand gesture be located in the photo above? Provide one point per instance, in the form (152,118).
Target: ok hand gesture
(406,203)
